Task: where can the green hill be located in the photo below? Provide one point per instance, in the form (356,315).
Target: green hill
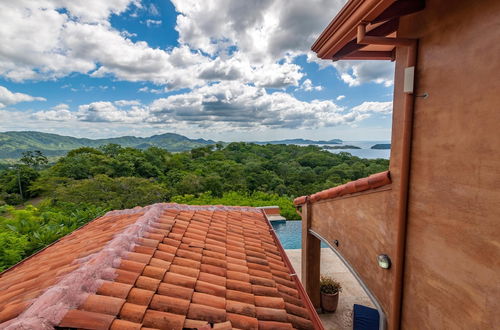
(12,144)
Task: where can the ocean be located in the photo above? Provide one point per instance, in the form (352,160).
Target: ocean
(365,151)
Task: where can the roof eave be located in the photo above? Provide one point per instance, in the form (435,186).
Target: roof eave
(318,325)
(343,27)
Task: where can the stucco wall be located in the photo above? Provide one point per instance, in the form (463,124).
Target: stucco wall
(364,226)
(452,274)
(452,261)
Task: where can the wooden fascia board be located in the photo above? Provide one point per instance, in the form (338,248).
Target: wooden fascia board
(381,30)
(370,55)
(343,27)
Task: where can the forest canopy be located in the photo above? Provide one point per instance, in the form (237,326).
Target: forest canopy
(87,182)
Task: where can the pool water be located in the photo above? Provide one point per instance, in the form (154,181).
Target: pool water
(290,234)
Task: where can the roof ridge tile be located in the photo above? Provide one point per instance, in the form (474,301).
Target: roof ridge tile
(373,181)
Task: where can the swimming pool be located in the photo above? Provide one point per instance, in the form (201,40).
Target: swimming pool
(290,234)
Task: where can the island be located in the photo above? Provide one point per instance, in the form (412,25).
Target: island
(384,146)
(341,147)
(301,141)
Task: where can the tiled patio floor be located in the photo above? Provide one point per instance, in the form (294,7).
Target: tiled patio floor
(352,293)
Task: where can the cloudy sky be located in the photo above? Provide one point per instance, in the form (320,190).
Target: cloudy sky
(220,69)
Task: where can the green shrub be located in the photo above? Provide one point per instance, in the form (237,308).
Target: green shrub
(235,198)
(26,231)
(329,285)
(12,249)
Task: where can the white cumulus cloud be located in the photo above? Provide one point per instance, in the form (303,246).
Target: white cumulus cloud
(250,41)
(375,107)
(308,86)
(221,106)
(9,98)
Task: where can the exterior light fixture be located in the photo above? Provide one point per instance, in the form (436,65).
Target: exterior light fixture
(384,261)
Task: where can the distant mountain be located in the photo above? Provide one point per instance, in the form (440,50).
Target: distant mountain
(302,141)
(381,146)
(12,144)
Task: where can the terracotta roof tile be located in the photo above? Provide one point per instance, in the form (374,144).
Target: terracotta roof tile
(140,296)
(261,290)
(296,310)
(243,321)
(157,262)
(132,266)
(271,302)
(242,296)
(180,280)
(103,304)
(133,312)
(239,285)
(212,289)
(233,306)
(124,276)
(206,313)
(125,325)
(300,322)
(163,320)
(154,272)
(271,325)
(166,266)
(139,257)
(9,311)
(175,291)
(170,304)
(164,256)
(86,320)
(223,325)
(209,300)
(373,181)
(271,314)
(213,269)
(194,324)
(147,283)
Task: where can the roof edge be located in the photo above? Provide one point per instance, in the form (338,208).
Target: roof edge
(342,28)
(302,292)
(374,181)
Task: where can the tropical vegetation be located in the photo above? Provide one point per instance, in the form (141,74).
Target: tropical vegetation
(43,201)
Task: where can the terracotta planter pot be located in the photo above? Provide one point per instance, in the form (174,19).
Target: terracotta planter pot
(329,302)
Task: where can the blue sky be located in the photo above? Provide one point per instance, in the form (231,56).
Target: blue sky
(218,69)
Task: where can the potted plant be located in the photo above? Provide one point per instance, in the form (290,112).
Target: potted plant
(330,290)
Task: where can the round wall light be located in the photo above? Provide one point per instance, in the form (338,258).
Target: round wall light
(384,261)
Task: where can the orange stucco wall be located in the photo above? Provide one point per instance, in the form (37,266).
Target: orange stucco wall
(452,260)
(452,273)
(364,226)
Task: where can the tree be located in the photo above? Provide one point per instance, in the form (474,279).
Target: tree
(17,180)
(34,159)
(111,149)
(113,193)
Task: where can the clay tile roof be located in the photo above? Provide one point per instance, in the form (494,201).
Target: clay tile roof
(373,181)
(164,266)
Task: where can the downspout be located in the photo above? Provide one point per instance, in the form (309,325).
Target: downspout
(402,208)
